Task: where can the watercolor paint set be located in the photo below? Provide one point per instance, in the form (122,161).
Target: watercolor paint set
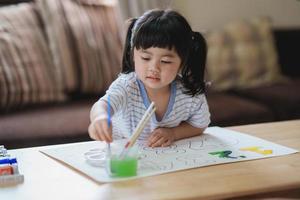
(9,171)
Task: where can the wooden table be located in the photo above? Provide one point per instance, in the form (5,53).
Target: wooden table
(46,178)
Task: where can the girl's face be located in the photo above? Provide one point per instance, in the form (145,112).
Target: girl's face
(156,67)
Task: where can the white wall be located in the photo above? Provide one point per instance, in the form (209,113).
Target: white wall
(212,14)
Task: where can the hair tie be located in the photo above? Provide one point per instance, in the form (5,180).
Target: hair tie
(133,22)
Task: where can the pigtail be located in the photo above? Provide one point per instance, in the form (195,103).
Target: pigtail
(127,63)
(193,71)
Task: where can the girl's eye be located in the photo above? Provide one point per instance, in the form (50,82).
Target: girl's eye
(145,58)
(166,61)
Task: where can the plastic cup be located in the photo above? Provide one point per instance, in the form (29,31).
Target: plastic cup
(123,165)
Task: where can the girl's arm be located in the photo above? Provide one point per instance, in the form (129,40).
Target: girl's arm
(185,130)
(99,128)
(162,137)
(99,109)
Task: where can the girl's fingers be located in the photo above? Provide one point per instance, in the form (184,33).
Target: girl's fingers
(159,142)
(108,135)
(92,132)
(107,131)
(100,132)
(150,137)
(153,138)
(167,143)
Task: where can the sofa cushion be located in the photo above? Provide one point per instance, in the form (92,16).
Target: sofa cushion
(283,99)
(242,55)
(46,125)
(227,110)
(27,74)
(85,41)
(288,47)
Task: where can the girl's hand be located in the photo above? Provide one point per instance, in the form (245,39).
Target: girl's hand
(161,137)
(99,130)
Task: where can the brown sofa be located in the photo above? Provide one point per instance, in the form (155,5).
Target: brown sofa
(275,102)
(61,121)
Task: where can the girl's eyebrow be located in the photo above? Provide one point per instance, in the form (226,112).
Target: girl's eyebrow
(163,55)
(145,51)
(168,55)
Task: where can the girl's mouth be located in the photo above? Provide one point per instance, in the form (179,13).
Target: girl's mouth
(153,78)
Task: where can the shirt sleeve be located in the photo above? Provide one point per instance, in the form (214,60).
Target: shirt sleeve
(200,115)
(117,93)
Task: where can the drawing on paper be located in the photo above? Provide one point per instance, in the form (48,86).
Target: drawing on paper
(226,154)
(216,146)
(257,149)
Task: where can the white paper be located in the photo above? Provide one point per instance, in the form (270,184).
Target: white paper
(216,146)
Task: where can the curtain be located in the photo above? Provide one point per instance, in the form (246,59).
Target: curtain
(135,8)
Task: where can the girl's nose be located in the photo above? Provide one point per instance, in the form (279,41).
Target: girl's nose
(154,66)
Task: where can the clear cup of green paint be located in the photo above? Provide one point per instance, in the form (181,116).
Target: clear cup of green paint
(122,164)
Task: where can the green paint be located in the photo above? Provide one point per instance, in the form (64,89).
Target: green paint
(225,154)
(123,167)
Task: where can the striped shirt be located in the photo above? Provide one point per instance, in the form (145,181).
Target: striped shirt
(129,102)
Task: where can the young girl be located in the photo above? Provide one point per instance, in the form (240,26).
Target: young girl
(163,62)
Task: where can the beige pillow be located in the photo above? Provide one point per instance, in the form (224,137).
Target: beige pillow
(86,42)
(242,55)
(27,74)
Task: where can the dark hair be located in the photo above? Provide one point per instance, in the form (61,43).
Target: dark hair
(168,29)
